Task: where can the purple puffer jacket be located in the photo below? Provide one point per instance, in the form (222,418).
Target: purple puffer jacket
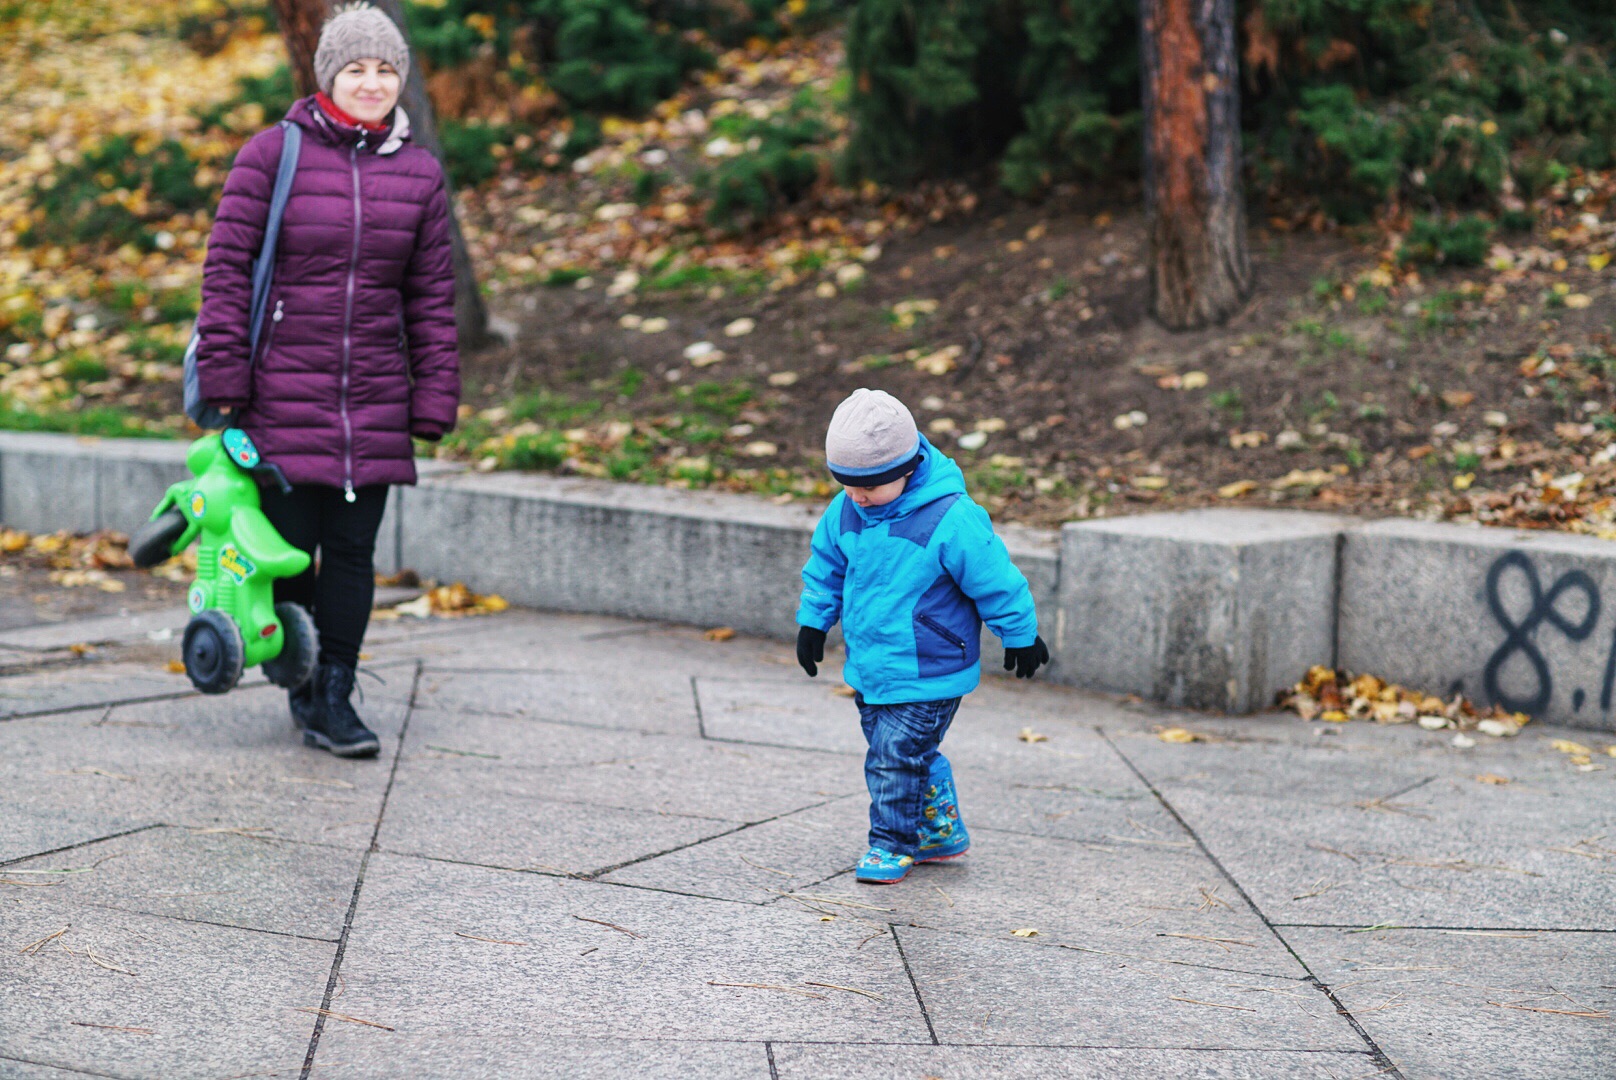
(358,350)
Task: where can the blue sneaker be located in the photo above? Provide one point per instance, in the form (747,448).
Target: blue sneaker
(880,867)
(942,833)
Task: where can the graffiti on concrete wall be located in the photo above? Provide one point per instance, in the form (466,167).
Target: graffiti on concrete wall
(1569,606)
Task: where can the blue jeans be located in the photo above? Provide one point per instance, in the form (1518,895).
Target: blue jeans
(903,740)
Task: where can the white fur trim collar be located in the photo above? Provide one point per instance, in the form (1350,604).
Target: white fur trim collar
(400,132)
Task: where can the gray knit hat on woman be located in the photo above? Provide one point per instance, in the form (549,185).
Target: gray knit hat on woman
(872,440)
(358,32)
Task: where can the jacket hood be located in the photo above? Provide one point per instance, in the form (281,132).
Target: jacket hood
(307,114)
(936,477)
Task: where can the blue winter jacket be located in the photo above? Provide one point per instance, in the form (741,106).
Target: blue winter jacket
(912,582)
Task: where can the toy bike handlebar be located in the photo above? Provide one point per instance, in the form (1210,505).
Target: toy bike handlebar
(273,471)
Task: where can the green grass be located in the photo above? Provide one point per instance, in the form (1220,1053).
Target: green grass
(546,407)
(563,277)
(1228,401)
(98,421)
(79,367)
(718,399)
(1323,407)
(546,450)
(1372,300)
(697,276)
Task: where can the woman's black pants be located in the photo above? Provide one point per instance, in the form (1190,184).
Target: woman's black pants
(339,586)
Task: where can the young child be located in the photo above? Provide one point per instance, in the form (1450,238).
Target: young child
(911,567)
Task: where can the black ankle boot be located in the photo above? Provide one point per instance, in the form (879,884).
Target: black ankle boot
(335,726)
(304,703)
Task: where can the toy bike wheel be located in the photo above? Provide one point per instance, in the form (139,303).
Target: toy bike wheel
(214,656)
(154,541)
(299,648)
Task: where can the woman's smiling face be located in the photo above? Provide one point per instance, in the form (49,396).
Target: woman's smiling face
(367,90)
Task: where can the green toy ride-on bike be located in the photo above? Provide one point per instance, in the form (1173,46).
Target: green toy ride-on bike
(235,622)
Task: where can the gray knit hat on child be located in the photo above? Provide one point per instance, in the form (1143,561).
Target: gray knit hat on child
(872,440)
(358,32)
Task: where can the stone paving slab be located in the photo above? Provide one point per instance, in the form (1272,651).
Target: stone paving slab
(1443,1003)
(693,839)
(633,700)
(197,763)
(223,878)
(408,965)
(467,816)
(627,769)
(1144,903)
(799,1062)
(981,990)
(12,1069)
(210,1001)
(361,1052)
(788,854)
(163,624)
(1398,829)
(88,686)
(804,714)
(33,829)
(599,648)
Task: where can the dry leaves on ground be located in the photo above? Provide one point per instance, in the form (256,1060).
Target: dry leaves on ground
(447,601)
(1339,696)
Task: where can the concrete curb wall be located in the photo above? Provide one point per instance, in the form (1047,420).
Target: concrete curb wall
(592,546)
(1526,620)
(1208,609)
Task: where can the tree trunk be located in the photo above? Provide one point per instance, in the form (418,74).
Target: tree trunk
(471,316)
(1200,272)
(300,22)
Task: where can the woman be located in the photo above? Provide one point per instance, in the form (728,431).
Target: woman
(358,351)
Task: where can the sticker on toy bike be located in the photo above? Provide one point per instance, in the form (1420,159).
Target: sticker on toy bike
(198,598)
(240,447)
(237,565)
(199,503)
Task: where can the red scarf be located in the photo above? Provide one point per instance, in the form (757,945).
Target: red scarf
(331,110)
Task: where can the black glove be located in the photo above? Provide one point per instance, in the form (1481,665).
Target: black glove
(810,649)
(1025,660)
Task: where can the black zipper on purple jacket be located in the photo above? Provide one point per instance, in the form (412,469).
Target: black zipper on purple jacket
(347,327)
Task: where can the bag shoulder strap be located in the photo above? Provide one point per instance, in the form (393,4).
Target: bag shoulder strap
(264,265)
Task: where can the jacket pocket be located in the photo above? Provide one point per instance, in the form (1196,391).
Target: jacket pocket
(276,316)
(403,341)
(938,649)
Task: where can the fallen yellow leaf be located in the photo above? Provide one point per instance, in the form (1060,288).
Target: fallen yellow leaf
(719,633)
(1237,489)
(1026,931)
(1492,778)
(1028,735)
(1177,735)
(1566,746)
(175,667)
